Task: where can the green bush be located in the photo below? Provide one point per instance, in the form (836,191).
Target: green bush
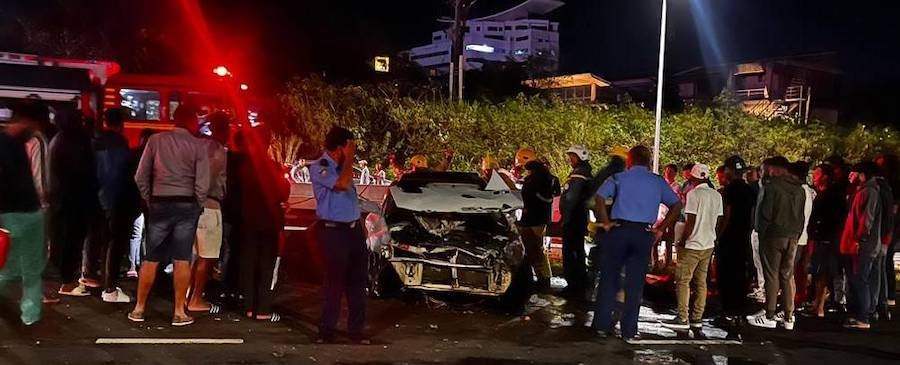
(390,121)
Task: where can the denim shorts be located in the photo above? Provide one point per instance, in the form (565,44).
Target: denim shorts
(171,229)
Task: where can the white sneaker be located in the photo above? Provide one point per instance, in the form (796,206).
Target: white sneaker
(761,313)
(117,296)
(759,295)
(789,325)
(779,316)
(762,321)
(132,274)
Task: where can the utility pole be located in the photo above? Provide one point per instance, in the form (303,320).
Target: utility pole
(460,9)
(659,87)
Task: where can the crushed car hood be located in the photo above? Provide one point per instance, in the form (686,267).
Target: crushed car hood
(455,198)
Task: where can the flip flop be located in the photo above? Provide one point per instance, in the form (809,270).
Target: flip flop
(78,291)
(213,309)
(182,321)
(136,316)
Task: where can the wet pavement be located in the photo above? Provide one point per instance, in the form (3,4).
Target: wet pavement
(414,329)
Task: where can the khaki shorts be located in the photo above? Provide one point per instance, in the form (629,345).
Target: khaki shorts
(209,233)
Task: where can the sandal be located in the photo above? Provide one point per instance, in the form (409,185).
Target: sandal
(182,321)
(213,309)
(136,316)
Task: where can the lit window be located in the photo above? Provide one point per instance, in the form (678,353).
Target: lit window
(141,104)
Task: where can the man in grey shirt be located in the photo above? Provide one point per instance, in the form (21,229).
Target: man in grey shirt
(173,178)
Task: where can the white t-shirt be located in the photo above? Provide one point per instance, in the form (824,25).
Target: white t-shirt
(807,211)
(706,203)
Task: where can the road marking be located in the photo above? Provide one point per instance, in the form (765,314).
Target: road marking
(685,342)
(168,341)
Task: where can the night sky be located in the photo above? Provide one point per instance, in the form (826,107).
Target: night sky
(270,41)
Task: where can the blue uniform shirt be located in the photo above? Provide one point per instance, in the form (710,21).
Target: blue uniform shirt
(332,205)
(637,194)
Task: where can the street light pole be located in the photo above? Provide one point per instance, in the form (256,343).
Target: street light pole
(659,86)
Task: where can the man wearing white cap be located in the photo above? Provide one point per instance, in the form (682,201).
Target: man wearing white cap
(704,210)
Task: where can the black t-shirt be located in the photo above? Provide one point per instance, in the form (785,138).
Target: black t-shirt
(536,191)
(829,213)
(17,191)
(738,195)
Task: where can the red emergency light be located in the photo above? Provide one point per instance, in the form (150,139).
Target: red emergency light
(221,71)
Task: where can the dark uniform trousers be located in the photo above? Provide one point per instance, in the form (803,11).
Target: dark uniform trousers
(625,246)
(574,257)
(346,260)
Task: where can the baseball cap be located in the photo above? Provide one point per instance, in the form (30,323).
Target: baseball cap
(700,171)
(735,163)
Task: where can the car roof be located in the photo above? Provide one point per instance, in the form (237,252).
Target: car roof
(414,180)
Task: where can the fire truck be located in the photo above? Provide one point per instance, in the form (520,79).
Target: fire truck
(93,86)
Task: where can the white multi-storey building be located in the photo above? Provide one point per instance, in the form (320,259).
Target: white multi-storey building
(512,35)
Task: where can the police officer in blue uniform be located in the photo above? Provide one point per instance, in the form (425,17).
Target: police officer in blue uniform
(637,194)
(341,236)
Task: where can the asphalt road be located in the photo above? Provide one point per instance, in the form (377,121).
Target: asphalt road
(417,330)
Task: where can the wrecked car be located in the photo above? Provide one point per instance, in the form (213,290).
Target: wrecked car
(444,232)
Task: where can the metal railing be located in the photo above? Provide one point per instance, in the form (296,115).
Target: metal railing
(794,93)
(752,94)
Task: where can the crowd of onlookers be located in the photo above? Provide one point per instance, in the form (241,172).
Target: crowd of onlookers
(200,201)
(820,238)
(799,239)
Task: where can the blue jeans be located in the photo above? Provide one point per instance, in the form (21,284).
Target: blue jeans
(171,231)
(626,246)
(864,279)
(137,238)
(878,289)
